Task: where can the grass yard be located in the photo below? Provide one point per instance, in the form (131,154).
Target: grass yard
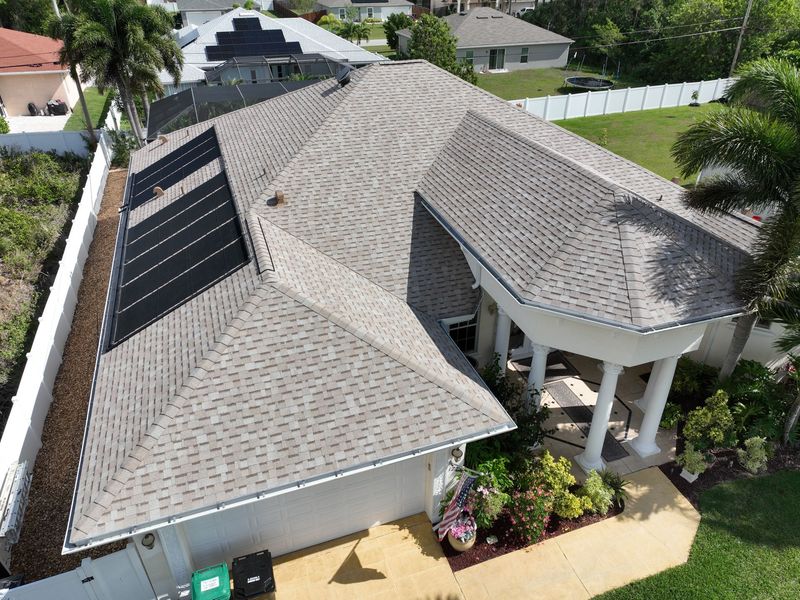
(533,83)
(645,137)
(747,546)
(97,110)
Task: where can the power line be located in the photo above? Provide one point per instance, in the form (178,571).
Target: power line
(673,37)
(583,37)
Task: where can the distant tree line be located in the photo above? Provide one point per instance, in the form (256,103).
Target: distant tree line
(604,29)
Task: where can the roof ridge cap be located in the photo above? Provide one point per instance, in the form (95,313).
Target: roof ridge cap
(138,455)
(632,275)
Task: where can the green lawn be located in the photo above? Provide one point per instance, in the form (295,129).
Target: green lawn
(645,137)
(747,547)
(533,83)
(377,32)
(95,101)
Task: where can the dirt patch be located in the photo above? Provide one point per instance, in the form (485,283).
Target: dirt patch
(38,553)
(507,542)
(726,468)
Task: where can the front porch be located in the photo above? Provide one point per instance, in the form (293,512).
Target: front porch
(571,387)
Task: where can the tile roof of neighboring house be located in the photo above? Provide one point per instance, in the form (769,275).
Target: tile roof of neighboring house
(23,52)
(325,352)
(484,26)
(312,38)
(565,237)
(363,3)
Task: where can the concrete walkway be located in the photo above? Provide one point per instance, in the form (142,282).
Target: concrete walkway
(655,532)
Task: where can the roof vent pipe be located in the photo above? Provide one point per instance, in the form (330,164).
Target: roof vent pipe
(158,192)
(277,199)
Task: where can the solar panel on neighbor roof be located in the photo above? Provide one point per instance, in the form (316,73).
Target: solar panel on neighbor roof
(175,166)
(246,24)
(176,253)
(226,51)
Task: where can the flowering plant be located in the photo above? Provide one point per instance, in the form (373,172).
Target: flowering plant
(464,528)
(529,513)
(485,504)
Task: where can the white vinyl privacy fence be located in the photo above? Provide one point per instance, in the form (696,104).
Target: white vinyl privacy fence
(22,435)
(589,104)
(59,142)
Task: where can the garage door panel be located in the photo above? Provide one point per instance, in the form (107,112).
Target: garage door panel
(310,515)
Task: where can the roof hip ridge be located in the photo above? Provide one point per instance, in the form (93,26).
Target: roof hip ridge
(142,450)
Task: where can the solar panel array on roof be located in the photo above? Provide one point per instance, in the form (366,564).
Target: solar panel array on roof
(173,167)
(246,24)
(175,254)
(248,39)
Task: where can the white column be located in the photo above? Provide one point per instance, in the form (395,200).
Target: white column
(645,443)
(501,337)
(591,457)
(537,372)
(178,558)
(648,392)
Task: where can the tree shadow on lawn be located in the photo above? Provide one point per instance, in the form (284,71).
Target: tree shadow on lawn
(761,510)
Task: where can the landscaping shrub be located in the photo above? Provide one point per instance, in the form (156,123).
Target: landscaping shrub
(693,382)
(759,403)
(529,513)
(615,482)
(596,494)
(122,144)
(710,425)
(4,127)
(486,504)
(495,474)
(692,460)
(556,477)
(671,416)
(755,454)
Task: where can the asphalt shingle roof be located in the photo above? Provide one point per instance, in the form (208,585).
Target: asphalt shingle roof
(484,26)
(24,52)
(324,351)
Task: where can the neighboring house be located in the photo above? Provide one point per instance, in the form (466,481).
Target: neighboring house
(197,12)
(244,33)
(30,71)
(361,10)
(493,41)
(275,368)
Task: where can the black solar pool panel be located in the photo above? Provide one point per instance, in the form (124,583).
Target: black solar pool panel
(175,254)
(244,37)
(174,167)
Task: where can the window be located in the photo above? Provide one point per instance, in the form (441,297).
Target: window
(370,12)
(497,59)
(342,14)
(465,334)
(524,57)
(470,57)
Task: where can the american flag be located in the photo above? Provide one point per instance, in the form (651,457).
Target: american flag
(453,510)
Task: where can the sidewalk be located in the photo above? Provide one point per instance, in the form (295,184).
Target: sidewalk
(655,532)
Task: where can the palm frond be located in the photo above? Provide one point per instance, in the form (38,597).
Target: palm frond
(771,86)
(729,192)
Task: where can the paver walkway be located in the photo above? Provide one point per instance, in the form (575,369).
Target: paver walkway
(400,560)
(654,532)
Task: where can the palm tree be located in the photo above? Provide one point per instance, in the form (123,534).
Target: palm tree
(787,312)
(757,140)
(70,56)
(124,44)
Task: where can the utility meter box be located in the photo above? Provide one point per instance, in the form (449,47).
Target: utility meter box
(211,583)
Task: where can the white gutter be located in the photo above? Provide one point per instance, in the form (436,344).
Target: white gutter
(34,72)
(70,548)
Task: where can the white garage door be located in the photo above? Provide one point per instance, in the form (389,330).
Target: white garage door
(310,515)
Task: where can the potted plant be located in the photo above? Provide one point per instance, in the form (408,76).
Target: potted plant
(693,463)
(463,532)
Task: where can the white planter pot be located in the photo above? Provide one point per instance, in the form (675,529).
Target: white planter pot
(690,477)
(460,546)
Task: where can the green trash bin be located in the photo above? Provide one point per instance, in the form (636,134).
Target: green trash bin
(211,583)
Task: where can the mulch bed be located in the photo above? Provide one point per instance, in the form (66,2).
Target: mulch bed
(507,542)
(726,468)
(38,553)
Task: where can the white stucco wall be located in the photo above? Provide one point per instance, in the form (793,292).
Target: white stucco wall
(20,88)
(539,56)
(380,12)
(760,345)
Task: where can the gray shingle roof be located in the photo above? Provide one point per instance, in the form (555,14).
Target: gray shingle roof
(377,4)
(484,26)
(205,4)
(335,351)
(564,237)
